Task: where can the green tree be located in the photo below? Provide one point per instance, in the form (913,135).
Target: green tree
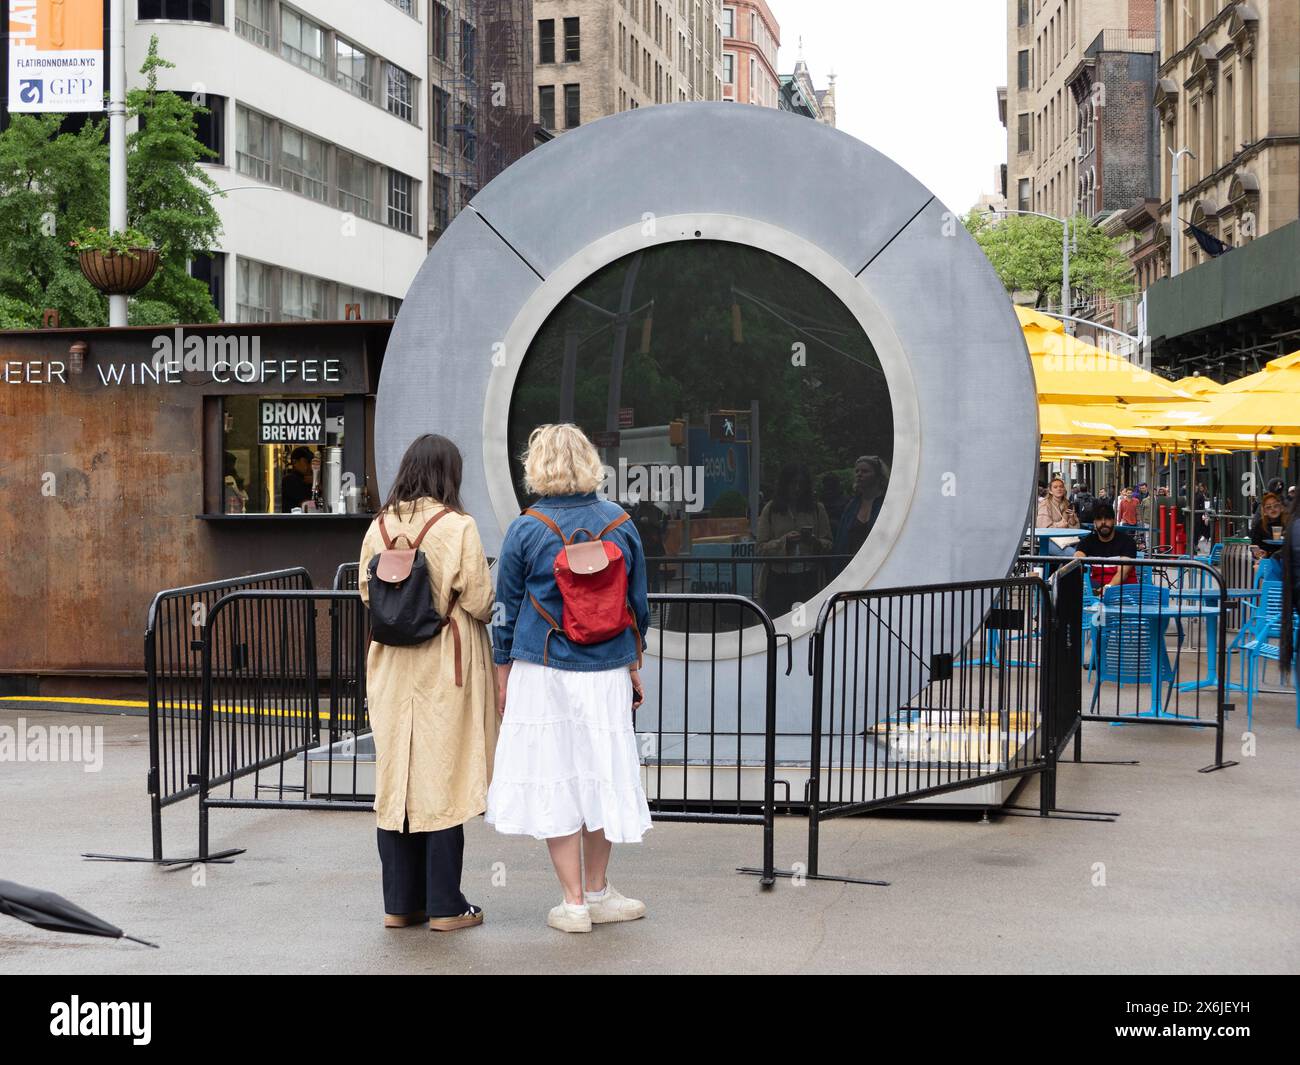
(1025,250)
(169,198)
(54,185)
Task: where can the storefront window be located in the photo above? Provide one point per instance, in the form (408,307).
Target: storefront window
(268,447)
(740,410)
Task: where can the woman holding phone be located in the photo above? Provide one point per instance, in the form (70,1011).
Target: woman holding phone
(566,768)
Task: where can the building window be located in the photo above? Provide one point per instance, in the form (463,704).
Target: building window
(728,68)
(440,28)
(441,201)
(302,163)
(253,21)
(467,46)
(182,10)
(729,22)
(253,291)
(401,209)
(352,68)
(400,95)
(440,119)
(302,297)
(253,145)
(302,41)
(572,41)
(210,129)
(1023,195)
(1022,69)
(572,106)
(546,105)
(356,184)
(1022,132)
(546,40)
(408,6)
(467,133)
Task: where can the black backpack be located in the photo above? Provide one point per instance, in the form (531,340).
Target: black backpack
(402,612)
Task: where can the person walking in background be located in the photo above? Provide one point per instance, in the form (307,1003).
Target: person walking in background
(793,524)
(432,705)
(1127,508)
(568,678)
(1056,512)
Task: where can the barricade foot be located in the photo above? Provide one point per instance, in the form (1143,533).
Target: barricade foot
(791,874)
(1217,765)
(1059,814)
(226,857)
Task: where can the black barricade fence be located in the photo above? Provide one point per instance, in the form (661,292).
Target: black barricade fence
(349,639)
(1162,641)
(918,692)
(173,651)
(707,730)
(272,734)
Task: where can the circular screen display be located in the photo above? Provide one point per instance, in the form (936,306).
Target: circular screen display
(739,408)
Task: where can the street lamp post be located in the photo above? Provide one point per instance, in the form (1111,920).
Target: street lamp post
(1175,238)
(1065,258)
(117,307)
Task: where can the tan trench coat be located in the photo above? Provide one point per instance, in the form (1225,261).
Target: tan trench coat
(434,741)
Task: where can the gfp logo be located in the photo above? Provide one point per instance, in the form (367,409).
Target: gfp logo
(31,91)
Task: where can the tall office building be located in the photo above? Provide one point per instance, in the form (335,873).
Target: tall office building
(1046,42)
(317,118)
(597,57)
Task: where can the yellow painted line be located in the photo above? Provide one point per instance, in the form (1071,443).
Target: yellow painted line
(324,715)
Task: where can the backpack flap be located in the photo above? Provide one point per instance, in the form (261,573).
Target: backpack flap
(395,564)
(586,558)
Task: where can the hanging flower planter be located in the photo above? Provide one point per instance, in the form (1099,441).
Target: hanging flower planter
(117,264)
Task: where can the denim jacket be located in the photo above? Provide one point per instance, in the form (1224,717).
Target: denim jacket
(525,566)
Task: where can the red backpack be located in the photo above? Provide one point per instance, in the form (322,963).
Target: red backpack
(592,579)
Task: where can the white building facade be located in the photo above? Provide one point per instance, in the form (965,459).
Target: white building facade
(318,118)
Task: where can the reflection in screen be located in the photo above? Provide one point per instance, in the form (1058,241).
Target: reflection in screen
(740,411)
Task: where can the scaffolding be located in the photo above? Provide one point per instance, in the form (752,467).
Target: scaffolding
(480,59)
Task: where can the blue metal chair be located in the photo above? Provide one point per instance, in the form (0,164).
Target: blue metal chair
(1258,642)
(1125,642)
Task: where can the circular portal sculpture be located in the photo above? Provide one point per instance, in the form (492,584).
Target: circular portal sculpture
(832,247)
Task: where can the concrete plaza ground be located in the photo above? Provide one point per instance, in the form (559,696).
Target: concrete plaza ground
(1201,874)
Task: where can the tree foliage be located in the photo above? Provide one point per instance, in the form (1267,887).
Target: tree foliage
(1025,250)
(54,185)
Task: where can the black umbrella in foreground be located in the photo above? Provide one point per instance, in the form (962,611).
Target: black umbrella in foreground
(44,909)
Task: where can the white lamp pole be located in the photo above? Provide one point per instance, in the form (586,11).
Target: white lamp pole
(1175,226)
(117,139)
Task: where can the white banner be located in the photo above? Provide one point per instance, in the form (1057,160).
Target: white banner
(56,55)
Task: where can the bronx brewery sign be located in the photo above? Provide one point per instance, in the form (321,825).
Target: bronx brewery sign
(291,421)
(56,55)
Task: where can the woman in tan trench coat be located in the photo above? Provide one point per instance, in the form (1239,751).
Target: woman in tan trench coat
(432,705)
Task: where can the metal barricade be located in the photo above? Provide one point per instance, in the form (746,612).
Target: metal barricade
(919,692)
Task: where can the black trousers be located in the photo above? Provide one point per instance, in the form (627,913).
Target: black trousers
(422,871)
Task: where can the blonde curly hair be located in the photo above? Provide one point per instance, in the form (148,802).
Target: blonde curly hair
(560,460)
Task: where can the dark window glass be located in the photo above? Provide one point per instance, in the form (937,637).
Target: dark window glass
(441,123)
(546,40)
(441,18)
(572,106)
(572,41)
(546,105)
(1022,69)
(718,352)
(211,270)
(441,201)
(185,10)
(468,42)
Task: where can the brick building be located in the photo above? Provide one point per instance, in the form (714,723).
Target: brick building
(751,37)
(598,57)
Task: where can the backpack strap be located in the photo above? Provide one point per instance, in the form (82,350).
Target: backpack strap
(390,540)
(546,521)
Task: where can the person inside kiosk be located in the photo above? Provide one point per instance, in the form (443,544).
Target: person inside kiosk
(296,484)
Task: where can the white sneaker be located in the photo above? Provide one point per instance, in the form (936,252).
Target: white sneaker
(610,906)
(570,918)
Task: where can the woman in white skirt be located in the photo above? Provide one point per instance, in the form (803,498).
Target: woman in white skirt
(566,766)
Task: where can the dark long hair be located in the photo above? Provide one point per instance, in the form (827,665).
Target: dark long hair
(794,492)
(431,468)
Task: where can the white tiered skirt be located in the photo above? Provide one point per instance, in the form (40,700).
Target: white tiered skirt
(567,756)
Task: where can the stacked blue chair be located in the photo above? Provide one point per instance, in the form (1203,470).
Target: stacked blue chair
(1259,643)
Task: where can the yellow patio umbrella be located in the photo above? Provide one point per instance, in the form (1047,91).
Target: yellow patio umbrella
(1198,385)
(1279,375)
(1068,370)
(1091,424)
(1258,415)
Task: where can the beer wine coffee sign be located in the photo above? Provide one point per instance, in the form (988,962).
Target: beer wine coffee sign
(56,55)
(291,421)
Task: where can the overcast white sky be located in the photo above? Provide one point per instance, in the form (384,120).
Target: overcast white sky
(945,56)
